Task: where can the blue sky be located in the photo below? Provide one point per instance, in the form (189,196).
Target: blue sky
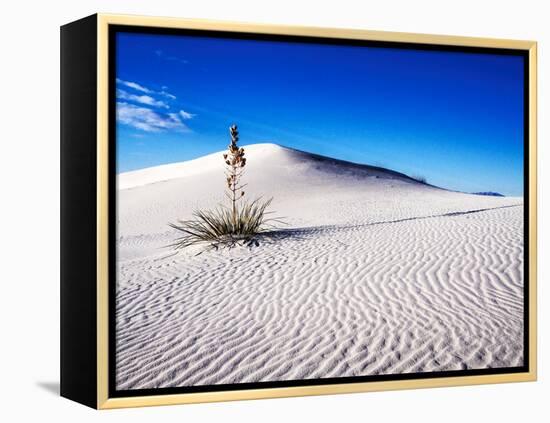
(455,118)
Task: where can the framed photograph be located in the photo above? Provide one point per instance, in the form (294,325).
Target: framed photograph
(254,211)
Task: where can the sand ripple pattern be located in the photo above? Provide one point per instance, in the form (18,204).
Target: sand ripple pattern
(435,291)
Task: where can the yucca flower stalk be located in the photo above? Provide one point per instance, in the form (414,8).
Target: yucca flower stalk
(235,162)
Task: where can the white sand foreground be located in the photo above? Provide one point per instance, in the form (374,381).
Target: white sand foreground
(376,274)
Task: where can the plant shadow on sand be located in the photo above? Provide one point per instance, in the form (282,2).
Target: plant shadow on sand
(277,235)
(273,236)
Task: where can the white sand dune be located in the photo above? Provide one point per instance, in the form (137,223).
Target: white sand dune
(375,274)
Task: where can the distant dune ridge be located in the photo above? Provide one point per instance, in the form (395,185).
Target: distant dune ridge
(489,193)
(376,273)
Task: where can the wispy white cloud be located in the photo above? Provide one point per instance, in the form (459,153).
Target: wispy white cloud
(143,89)
(143,99)
(186,115)
(147,119)
(131,110)
(167,94)
(164,92)
(135,86)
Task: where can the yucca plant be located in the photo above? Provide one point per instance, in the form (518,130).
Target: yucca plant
(228,225)
(223,227)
